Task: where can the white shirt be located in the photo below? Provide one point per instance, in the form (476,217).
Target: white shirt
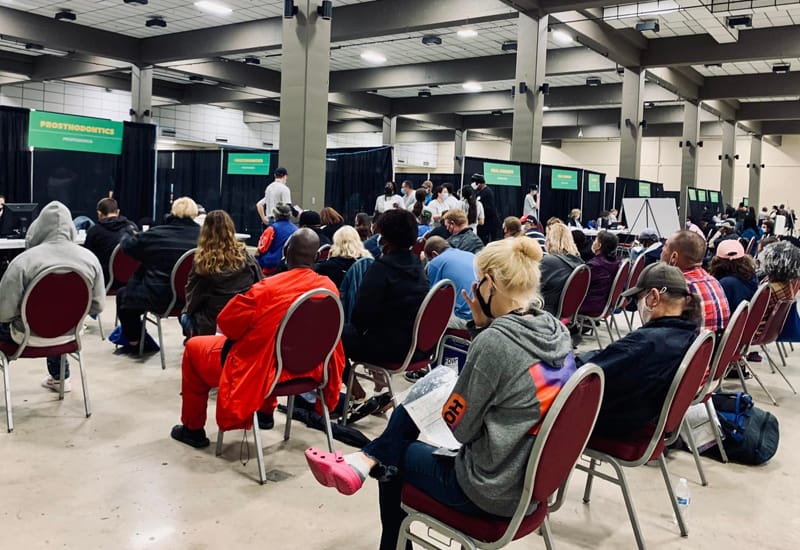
(409,201)
(384,203)
(274,193)
(437,208)
(529,206)
(480,217)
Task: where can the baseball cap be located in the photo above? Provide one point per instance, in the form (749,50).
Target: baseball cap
(280,172)
(528,218)
(478,178)
(661,276)
(282,210)
(649,233)
(309,217)
(730,249)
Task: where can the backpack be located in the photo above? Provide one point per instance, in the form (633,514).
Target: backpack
(751,434)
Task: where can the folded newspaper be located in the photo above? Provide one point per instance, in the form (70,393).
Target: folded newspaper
(424,402)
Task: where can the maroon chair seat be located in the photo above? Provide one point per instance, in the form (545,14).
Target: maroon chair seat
(612,303)
(121,268)
(574,293)
(294,387)
(35,352)
(629,449)
(464,334)
(477,527)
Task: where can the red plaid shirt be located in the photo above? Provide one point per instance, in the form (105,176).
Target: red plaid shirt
(715,305)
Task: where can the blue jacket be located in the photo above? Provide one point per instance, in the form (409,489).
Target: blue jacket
(458,266)
(272,257)
(737,290)
(348,290)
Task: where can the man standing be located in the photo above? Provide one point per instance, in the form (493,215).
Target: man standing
(107,233)
(275,192)
(488,232)
(408,195)
(462,236)
(50,243)
(445,262)
(241,361)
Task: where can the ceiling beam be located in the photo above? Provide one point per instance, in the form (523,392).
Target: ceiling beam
(266,107)
(684,81)
(753,45)
(234,72)
(444,120)
(751,85)
(354,126)
(161,88)
(781,127)
(49,67)
(770,110)
(371,103)
(16,63)
(619,46)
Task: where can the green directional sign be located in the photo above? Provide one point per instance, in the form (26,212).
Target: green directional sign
(594,183)
(692,195)
(713,196)
(74,133)
(566,180)
(644,189)
(701,195)
(502,174)
(248,164)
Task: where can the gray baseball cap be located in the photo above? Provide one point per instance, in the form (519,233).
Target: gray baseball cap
(661,276)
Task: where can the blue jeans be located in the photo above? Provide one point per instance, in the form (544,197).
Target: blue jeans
(53,362)
(403,459)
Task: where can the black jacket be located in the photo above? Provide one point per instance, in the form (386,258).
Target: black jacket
(490,230)
(639,369)
(387,304)
(206,295)
(105,235)
(330,229)
(334,268)
(8,221)
(555,270)
(159,250)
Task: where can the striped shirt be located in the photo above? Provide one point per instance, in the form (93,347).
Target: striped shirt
(715,305)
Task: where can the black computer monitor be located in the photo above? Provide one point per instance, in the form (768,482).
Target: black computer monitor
(24,212)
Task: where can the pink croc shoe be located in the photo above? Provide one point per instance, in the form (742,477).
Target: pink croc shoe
(331,470)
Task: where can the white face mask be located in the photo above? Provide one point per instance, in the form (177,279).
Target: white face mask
(445,196)
(645,312)
(474,185)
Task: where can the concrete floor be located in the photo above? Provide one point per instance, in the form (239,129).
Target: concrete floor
(117,481)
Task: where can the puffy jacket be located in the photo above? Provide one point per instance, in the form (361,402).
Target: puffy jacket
(105,235)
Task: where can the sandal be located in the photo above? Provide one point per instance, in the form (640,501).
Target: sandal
(331,470)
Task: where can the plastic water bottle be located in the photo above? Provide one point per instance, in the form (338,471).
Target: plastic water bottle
(683,498)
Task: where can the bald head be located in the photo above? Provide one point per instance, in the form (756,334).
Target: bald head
(435,246)
(684,249)
(301,250)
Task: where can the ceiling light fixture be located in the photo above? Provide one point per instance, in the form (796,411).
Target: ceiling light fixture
(252,60)
(736,21)
(65,15)
(509,46)
(562,37)
(781,68)
(650,25)
(432,40)
(467,33)
(213,7)
(472,86)
(424,93)
(139,2)
(156,22)
(593,81)
(373,57)
(498,112)
(195,78)
(325,10)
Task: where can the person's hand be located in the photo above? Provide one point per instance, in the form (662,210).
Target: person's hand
(478,316)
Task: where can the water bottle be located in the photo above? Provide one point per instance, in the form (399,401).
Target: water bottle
(683,498)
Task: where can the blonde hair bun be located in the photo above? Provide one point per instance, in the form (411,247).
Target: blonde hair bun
(525,247)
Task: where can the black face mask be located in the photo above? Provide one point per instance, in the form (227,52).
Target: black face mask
(389,191)
(486,307)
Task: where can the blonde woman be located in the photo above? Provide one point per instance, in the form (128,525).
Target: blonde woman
(561,259)
(346,249)
(575,218)
(495,396)
(222,268)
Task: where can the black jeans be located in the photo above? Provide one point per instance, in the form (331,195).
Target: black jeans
(53,362)
(129,319)
(403,459)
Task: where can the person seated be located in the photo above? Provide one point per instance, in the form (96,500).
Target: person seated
(274,238)
(781,264)
(363,225)
(517,365)
(346,249)
(649,245)
(373,244)
(389,200)
(768,228)
(639,367)
(50,243)
(750,230)
(241,361)
(446,262)
(583,244)
(692,226)
(558,264)
(461,234)
(8,220)
(312,220)
(685,249)
(735,271)
(532,229)
(149,289)
(331,222)
(424,224)
(726,230)
(603,267)
(603,222)
(575,218)
(106,234)
(222,268)
(512,228)
(423,215)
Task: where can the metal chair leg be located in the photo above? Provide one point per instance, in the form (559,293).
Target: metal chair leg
(327,418)
(629,320)
(757,379)
(61,377)
(262,471)
(687,432)
(626,495)
(596,334)
(587,490)
(348,395)
(218,450)
(87,405)
(608,328)
(769,358)
(161,344)
(287,431)
(717,433)
(664,472)
(616,326)
(4,364)
(100,327)
(141,336)
(547,535)
(780,353)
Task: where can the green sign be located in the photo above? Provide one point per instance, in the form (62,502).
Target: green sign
(248,164)
(713,196)
(644,189)
(701,195)
(502,174)
(564,179)
(746,201)
(594,183)
(692,195)
(74,133)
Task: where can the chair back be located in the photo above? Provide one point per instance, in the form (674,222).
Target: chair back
(432,318)
(323,252)
(121,268)
(178,279)
(727,348)
(562,438)
(751,246)
(574,292)
(296,350)
(775,321)
(66,290)
(636,271)
(758,313)
(419,247)
(617,287)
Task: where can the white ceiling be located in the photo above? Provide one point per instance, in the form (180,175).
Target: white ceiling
(746,67)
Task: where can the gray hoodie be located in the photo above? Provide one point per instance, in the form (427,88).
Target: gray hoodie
(49,243)
(496,404)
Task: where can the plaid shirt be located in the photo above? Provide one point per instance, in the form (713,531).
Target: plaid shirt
(715,306)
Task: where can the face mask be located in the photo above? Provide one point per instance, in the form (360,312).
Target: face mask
(474,185)
(388,190)
(445,195)
(486,307)
(645,312)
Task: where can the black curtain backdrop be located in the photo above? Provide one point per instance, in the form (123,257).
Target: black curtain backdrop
(558,202)
(15,158)
(77,179)
(194,174)
(629,188)
(592,200)
(355,178)
(508,200)
(608,195)
(240,194)
(136,168)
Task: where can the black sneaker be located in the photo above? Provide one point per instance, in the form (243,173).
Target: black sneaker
(265,421)
(193,438)
(414,375)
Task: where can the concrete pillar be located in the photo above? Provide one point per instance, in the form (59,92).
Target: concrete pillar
(728,164)
(526,137)
(754,191)
(390,130)
(305,66)
(691,135)
(460,151)
(141,93)
(630,151)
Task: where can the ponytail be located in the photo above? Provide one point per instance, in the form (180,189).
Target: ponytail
(693,309)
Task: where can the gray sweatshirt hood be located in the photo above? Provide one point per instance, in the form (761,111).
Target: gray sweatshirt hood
(54,223)
(541,331)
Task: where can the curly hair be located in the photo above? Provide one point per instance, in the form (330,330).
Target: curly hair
(781,262)
(743,268)
(398,227)
(218,250)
